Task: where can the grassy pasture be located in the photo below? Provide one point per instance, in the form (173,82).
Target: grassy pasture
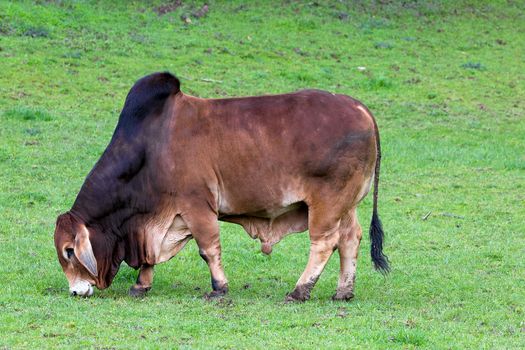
(445,81)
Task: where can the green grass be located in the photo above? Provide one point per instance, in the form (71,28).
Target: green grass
(445,81)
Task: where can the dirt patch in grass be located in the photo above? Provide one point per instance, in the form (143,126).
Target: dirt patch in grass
(167,8)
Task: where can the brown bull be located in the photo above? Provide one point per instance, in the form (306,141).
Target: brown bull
(177,164)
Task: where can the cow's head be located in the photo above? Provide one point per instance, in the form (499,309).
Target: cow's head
(85,259)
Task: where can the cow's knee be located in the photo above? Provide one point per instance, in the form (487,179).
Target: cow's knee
(204,256)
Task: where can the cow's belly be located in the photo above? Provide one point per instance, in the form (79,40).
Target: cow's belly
(267,208)
(270,226)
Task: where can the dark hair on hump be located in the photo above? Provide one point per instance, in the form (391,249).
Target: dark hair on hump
(147,96)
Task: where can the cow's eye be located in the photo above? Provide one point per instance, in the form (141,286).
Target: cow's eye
(69,252)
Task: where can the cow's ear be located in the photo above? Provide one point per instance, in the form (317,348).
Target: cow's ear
(84,251)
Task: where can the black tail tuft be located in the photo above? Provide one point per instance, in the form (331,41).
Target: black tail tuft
(376,249)
(376,229)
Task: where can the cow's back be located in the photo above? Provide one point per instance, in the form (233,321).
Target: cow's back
(266,148)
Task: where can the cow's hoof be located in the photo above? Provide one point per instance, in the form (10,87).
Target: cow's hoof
(290,299)
(343,296)
(297,296)
(215,294)
(138,292)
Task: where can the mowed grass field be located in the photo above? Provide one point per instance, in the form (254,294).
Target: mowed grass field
(445,81)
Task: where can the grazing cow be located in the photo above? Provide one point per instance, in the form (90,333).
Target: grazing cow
(177,164)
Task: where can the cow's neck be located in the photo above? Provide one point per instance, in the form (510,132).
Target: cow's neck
(116,190)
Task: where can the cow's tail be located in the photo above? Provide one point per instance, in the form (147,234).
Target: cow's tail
(376,228)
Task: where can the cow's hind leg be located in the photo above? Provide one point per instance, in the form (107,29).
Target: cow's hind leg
(144,281)
(348,246)
(324,236)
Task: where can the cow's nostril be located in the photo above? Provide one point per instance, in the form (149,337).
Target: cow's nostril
(74,294)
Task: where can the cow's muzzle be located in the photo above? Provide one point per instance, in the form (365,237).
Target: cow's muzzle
(81,288)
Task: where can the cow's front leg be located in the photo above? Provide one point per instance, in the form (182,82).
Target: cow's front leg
(212,255)
(205,230)
(144,281)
